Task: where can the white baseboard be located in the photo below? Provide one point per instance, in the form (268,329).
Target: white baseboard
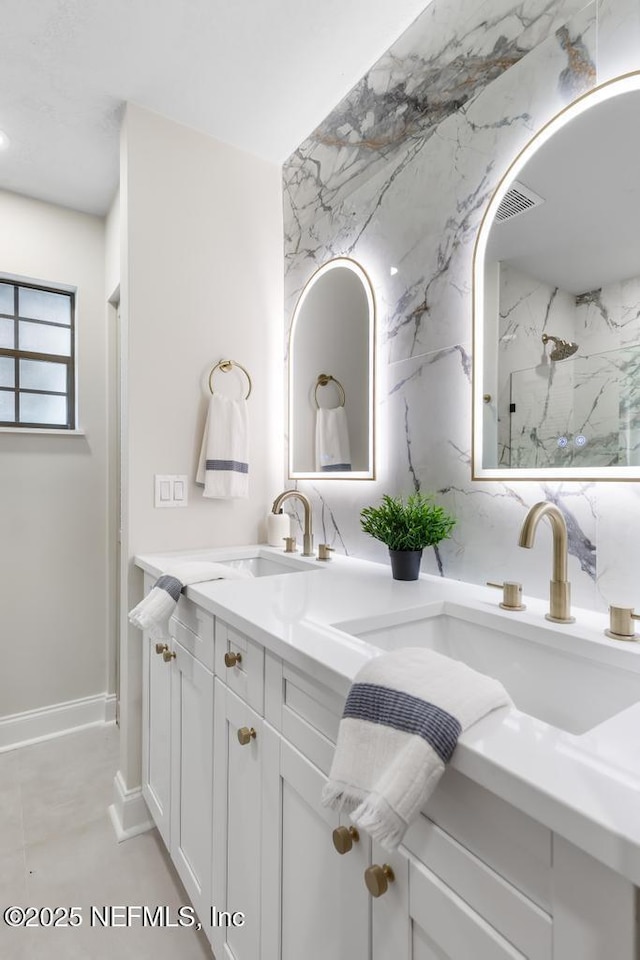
(20,729)
(110,701)
(129,813)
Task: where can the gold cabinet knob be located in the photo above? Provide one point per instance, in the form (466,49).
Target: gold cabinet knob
(246,735)
(378,878)
(168,655)
(161,647)
(344,838)
(232,659)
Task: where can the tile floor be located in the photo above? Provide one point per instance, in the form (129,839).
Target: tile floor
(58,848)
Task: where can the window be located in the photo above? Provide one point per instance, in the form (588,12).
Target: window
(37,353)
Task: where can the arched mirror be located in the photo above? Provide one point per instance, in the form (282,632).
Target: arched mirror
(331,375)
(557,300)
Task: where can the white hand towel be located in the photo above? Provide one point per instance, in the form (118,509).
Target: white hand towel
(223,467)
(400,725)
(154,611)
(332,440)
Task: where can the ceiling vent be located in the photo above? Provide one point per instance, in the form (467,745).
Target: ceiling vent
(518,199)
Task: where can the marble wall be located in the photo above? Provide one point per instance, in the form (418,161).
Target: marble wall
(584,410)
(398,176)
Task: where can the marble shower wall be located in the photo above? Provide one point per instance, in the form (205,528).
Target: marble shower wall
(399,176)
(586,409)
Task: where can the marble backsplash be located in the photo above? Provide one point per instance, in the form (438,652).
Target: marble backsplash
(399,177)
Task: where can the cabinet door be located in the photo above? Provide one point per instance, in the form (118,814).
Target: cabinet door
(192,776)
(234,928)
(315,905)
(421,918)
(390,920)
(156,736)
(442,926)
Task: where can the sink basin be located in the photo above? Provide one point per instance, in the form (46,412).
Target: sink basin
(564,689)
(263,566)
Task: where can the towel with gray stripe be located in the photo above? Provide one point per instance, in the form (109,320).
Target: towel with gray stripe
(154,611)
(401,723)
(223,465)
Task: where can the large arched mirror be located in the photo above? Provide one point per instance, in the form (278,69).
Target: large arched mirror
(557,300)
(331,375)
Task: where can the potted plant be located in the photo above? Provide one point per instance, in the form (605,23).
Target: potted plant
(407,527)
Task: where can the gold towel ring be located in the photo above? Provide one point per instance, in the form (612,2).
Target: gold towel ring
(322,381)
(226,366)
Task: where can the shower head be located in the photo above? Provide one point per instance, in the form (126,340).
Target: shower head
(562,348)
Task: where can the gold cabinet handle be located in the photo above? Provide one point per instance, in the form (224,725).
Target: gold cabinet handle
(246,735)
(378,878)
(232,659)
(161,647)
(344,838)
(168,655)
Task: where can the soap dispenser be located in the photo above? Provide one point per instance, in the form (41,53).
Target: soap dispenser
(278,527)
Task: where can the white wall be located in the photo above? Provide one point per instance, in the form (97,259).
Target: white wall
(112,247)
(204,283)
(53,489)
(201,281)
(112,299)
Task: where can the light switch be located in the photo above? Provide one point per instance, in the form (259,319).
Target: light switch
(180,491)
(171,490)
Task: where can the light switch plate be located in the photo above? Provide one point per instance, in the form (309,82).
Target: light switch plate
(171,490)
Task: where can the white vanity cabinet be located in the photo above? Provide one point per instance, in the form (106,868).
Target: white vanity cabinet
(192,719)
(315,905)
(234,767)
(177,745)
(156,736)
(237,826)
(479,878)
(419,913)
(273,853)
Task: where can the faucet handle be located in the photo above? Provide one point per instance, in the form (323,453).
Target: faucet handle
(511,594)
(324,551)
(290,545)
(621,625)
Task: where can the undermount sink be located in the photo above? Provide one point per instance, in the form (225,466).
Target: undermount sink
(564,689)
(269,566)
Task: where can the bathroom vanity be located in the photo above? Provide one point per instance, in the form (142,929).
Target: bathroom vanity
(530,845)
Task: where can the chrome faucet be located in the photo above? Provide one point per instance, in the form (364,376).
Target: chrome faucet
(559,587)
(307,537)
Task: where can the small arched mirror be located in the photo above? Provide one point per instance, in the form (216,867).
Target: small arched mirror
(331,375)
(557,300)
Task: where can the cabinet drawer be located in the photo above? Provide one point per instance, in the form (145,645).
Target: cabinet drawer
(518,919)
(304,711)
(506,839)
(442,920)
(246,677)
(193,628)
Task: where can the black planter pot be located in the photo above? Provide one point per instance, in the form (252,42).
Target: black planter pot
(405,564)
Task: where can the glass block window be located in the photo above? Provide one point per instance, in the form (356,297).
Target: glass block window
(37,357)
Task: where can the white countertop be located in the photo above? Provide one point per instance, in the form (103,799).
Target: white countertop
(586,788)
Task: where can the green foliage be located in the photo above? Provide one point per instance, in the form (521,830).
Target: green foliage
(410,524)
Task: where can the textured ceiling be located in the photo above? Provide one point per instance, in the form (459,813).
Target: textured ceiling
(258,74)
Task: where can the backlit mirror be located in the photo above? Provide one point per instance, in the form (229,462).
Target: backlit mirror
(331,375)
(557,300)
